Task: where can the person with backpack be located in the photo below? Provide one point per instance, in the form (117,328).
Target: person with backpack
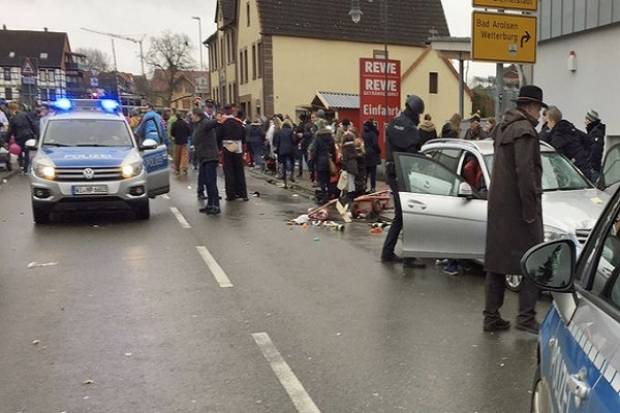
(569,141)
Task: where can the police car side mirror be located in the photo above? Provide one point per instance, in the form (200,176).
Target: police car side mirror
(31,144)
(551,266)
(149,144)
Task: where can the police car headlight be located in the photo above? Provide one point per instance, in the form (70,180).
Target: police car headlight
(553,233)
(44,168)
(130,170)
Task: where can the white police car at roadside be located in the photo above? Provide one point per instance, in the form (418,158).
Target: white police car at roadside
(579,342)
(87,158)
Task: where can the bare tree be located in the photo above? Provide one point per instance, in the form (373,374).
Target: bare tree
(95,59)
(170,53)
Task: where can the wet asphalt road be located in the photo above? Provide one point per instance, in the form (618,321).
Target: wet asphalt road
(133,307)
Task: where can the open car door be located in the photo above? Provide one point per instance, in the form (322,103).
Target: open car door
(437,222)
(157,167)
(610,178)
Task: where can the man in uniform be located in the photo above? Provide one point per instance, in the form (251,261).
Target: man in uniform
(402,135)
(514,210)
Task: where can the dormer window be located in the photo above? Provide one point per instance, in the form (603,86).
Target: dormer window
(11,55)
(43,55)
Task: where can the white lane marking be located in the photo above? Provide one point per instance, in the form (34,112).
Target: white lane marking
(165,196)
(289,381)
(217,271)
(180,218)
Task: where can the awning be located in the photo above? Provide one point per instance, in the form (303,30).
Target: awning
(335,100)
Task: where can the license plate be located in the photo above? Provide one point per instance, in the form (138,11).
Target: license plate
(90,189)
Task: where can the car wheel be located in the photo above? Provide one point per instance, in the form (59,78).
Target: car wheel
(540,395)
(514,282)
(142,210)
(40,213)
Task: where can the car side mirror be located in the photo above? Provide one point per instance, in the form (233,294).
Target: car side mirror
(465,191)
(149,144)
(31,144)
(551,266)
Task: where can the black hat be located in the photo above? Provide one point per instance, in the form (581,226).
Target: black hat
(531,94)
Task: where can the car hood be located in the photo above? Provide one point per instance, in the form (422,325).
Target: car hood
(571,210)
(87,157)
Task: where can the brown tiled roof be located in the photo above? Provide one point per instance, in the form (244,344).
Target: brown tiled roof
(409,21)
(229,10)
(26,43)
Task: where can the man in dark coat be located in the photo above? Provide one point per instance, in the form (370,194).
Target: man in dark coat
(373,151)
(514,210)
(231,136)
(402,135)
(596,132)
(569,141)
(207,152)
(23,126)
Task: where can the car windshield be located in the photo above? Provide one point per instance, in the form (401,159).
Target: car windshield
(559,174)
(87,132)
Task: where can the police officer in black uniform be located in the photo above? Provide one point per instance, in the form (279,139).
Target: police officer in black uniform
(402,135)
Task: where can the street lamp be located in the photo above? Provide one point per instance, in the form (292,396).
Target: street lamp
(356,12)
(202,66)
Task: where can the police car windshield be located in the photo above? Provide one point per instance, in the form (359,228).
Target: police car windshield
(87,132)
(559,174)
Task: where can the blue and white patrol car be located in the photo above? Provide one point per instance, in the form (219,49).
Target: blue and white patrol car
(87,158)
(579,342)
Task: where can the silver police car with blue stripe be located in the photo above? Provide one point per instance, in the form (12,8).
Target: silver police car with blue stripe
(87,158)
(579,342)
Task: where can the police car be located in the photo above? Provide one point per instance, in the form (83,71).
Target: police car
(87,158)
(579,341)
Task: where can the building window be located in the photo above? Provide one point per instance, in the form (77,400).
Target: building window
(8,93)
(231,45)
(222,52)
(241,67)
(52,94)
(43,55)
(245,64)
(7,74)
(247,12)
(433,83)
(51,76)
(224,94)
(260,59)
(254,62)
(42,76)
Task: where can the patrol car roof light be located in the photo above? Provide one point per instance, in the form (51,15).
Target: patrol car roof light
(109,105)
(63,104)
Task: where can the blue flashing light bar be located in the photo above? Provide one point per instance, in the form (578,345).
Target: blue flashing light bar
(109,105)
(63,104)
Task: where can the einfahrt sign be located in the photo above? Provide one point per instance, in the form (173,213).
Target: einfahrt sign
(379,78)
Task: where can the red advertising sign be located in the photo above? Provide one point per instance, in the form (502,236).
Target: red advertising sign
(379,93)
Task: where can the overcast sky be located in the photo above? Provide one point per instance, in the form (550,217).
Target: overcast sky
(151,17)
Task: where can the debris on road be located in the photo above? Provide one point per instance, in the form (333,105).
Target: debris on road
(89,381)
(35,342)
(42,264)
(256,194)
(376,231)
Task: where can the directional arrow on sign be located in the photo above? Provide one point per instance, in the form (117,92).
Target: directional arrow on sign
(525,38)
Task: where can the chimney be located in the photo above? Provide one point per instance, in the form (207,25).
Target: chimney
(4,27)
(45,29)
